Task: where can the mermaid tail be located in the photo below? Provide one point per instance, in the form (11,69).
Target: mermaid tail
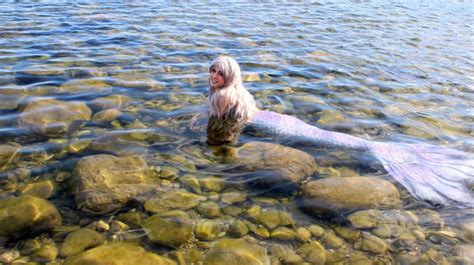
(434,174)
(438,175)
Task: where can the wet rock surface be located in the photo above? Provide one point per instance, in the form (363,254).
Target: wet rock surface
(120,254)
(102,183)
(236,252)
(50,117)
(20,215)
(335,195)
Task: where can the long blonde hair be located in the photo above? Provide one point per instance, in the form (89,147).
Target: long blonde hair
(232,100)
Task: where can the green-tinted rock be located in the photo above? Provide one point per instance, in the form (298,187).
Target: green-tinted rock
(373,244)
(347,233)
(289,164)
(332,240)
(78,241)
(209,209)
(118,254)
(233,197)
(47,253)
(313,252)
(272,218)
(207,230)
(172,231)
(132,218)
(54,118)
(303,234)
(168,172)
(191,182)
(26,213)
(175,199)
(42,189)
(29,246)
(382,230)
(359,258)
(335,195)
(8,155)
(236,252)
(365,219)
(106,116)
(253,212)
(238,229)
(406,239)
(316,230)
(232,210)
(110,102)
(283,233)
(212,184)
(103,183)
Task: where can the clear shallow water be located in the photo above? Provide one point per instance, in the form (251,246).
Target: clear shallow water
(390,72)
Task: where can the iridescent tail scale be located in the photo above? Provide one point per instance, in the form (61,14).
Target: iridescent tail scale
(435,174)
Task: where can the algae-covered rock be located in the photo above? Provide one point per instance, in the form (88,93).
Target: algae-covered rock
(54,118)
(171,231)
(106,116)
(207,230)
(332,240)
(42,189)
(335,195)
(236,252)
(102,183)
(365,218)
(115,101)
(373,244)
(288,164)
(209,209)
(26,213)
(46,253)
(272,218)
(78,241)
(120,144)
(312,252)
(283,233)
(118,254)
(174,199)
(238,229)
(8,155)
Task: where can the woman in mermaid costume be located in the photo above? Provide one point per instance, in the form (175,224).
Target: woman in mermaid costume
(438,175)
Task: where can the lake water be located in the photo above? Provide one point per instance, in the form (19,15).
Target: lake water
(398,71)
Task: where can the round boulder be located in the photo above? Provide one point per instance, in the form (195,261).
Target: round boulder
(336,195)
(118,254)
(274,163)
(236,252)
(26,213)
(54,118)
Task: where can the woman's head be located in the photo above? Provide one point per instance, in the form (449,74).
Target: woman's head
(227,96)
(227,68)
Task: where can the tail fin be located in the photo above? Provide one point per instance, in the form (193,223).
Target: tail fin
(435,174)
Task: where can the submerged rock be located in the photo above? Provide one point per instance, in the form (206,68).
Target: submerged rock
(118,254)
(275,163)
(110,102)
(236,252)
(79,241)
(54,118)
(336,195)
(85,86)
(172,230)
(8,155)
(174,200)
(102,183)
(26,213)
